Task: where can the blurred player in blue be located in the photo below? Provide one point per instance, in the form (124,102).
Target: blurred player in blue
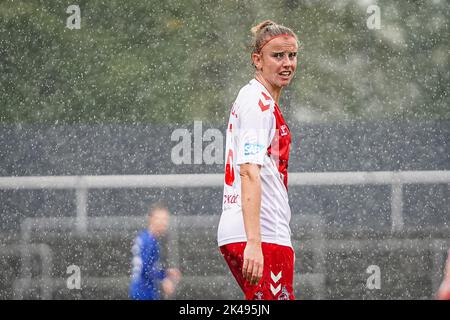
(148,278)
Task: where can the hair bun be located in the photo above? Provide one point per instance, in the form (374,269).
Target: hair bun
(266,30)
(256,29)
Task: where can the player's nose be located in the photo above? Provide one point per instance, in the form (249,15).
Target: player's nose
(287,61)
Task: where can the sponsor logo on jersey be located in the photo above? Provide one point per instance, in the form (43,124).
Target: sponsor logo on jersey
(230,198)
(251,149)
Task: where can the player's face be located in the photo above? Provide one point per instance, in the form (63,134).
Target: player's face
(277,61)
(159,222)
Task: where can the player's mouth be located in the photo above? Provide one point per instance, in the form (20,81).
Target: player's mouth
(285,74)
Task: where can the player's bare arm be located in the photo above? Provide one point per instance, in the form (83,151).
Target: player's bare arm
(251,204)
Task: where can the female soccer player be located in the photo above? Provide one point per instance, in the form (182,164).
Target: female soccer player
(254,232)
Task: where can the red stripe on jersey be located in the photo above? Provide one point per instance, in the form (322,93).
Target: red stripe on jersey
(280,145)
(263,106)
(266,96)
(229,169)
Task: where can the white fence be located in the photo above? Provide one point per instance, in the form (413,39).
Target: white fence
(118,226)
(82,184)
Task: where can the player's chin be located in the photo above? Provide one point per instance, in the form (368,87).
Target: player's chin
(284,82)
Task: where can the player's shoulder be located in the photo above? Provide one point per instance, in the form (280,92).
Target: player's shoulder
(254,97)
(145,240)
(141,236)
(145,236)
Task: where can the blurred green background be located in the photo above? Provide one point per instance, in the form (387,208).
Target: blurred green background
(143,61)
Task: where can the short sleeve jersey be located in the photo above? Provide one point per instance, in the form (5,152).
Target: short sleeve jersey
(257,133)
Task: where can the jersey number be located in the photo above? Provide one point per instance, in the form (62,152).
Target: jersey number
(229,170)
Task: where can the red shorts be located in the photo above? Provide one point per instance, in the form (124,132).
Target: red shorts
(278,274)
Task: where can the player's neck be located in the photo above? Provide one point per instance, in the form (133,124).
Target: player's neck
(151,231)
(274,91)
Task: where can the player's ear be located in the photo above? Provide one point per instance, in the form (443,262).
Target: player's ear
(257,60)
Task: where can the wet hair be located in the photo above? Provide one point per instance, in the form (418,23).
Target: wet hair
(156,207)
(265,31)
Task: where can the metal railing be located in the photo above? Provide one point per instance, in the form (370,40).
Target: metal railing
(46,258)
(307,240)
(82,184)
(119,226)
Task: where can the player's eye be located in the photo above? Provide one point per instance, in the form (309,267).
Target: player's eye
(278,55)
(292,55)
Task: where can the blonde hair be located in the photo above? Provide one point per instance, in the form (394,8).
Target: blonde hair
(264,31)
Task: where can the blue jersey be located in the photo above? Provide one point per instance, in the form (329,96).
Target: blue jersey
(146,270)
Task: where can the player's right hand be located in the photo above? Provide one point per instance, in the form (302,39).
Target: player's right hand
(168,287)
(253,265)
(174,274)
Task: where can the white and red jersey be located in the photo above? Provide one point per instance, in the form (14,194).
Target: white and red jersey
(256,133)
